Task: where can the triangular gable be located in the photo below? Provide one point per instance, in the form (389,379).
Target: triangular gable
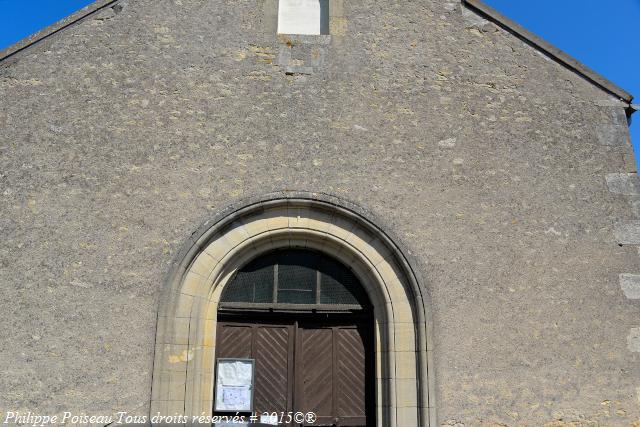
(476,6)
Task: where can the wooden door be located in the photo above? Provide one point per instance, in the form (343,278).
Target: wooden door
(307,366)
(334,374)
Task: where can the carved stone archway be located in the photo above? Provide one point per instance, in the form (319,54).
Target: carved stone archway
(183,373)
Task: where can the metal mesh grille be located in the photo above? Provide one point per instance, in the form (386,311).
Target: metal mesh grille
(253,283)
(297,277)
(338,285)
(301,277)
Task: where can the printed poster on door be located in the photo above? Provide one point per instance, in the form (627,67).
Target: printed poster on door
(234,385)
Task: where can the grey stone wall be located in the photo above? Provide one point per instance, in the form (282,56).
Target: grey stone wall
(123,133)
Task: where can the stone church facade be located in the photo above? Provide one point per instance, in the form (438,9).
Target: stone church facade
(467,191)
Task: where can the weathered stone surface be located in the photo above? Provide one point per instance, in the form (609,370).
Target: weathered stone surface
(634,202)
(472,19)
(120,136)
(628,233)
(630,284)
(633,340)
(624,183)
(620,116)
(615,135)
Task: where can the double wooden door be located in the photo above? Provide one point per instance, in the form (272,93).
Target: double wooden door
(308,364)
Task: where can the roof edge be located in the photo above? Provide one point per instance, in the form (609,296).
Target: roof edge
(54,28)
(548,49)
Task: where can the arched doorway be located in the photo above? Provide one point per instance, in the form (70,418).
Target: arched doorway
(186,350)
(305,321)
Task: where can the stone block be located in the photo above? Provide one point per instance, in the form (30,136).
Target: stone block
(203,264)
(176,332)
(630,284)
(633,340)
(406,392)
(405,336)
(628,233)
(194,285)
(177,384)
(406,362)
(613,135)
(473,20)
(624,183)
(407,416)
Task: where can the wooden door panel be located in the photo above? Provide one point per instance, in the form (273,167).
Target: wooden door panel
(351,376)
(273,369)
(234,341)
(331,374)
(314,373)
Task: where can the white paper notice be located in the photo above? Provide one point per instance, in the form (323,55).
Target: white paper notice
(235,372)
(236,397)
(234,384)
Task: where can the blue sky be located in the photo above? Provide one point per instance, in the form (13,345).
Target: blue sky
(601,34)
(21,18)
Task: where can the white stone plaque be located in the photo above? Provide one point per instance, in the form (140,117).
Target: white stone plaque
(299,17)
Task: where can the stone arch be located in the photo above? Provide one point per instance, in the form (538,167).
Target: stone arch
(183,372)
